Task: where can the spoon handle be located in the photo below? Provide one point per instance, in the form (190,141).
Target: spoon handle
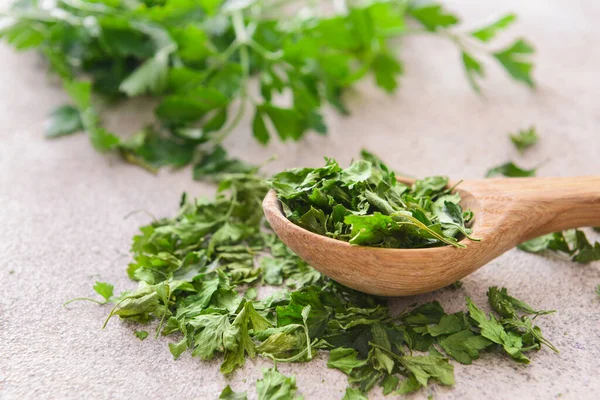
(545,204)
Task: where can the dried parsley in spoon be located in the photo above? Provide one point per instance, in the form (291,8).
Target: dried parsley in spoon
(365,205)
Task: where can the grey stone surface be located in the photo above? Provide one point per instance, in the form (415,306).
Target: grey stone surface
(62,209)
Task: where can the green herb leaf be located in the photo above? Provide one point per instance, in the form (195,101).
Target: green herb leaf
(104,289)
(345,360)
(64,120)
(489,31)
(141,334)
(433,17)
(573,242)
(229,394)
(524,139)
(276,386)
(507,306)
(386,70)
(259,129)
(510,170)
(515,62)
(423,368)
(493,330)
(353,394)
(474,70)
(464,346)
(151,77)
(389,384)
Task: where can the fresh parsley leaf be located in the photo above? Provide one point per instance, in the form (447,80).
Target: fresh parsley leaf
(217,163)
(141,334)
(63,121)
(572,242)
(386,69)
(276,386)
(229,394)
(583,251)
(510,170)
(104,289)
(464,346)
(474,69)
(524,139)
(493,330)
(389,384)
(488,32)
(433,16)
(353,394)
(508,306)
(259,129)
(344,359)
(423,368)
(515,61)
(151,77)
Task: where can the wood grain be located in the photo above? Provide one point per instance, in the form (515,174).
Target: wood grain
(507,212)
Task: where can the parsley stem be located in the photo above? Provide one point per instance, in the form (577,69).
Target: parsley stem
(264,53)
(233,124)
(66,303)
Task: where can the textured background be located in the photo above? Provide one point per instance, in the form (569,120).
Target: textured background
(62,209)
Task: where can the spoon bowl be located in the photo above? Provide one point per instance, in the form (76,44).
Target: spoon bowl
(507,212)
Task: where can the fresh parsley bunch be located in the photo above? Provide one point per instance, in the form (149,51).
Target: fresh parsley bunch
(364,204)
(197,58)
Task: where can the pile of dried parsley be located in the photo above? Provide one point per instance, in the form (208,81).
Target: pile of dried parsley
(198,276)
(365,205)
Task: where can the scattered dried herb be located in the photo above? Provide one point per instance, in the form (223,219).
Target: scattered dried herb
(524,139)
(141,334)
(510,170)
(198,58)
(365,205)
(572,242)
(199,272)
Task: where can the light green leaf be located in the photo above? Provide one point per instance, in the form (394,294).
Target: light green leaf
(510,170)
(150,77)
(141,334)
(344,359)
(259,129)
(276,386)
(229,394)
(524,139)
(104,289)
(354,394)
(433,16)
(489,31)
(515,61)
(464,346)
(473,69)
(64,120)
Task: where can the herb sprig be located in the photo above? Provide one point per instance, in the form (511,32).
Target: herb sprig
(198,57)
(365,205)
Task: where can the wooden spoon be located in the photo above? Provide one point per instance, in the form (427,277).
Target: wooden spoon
(507,212)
